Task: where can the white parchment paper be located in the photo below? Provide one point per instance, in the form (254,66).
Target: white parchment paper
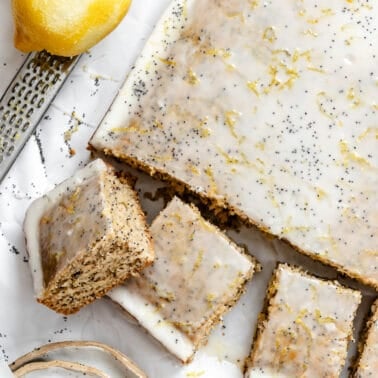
(46,160)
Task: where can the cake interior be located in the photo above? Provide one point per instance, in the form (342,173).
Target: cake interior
(92,235)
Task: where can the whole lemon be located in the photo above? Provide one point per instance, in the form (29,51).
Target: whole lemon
(65,27)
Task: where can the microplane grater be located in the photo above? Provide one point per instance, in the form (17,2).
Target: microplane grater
(26,100)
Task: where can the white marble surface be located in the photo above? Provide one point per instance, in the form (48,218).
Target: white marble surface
(45,161)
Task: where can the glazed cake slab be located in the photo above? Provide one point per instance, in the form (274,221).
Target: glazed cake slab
(266,110)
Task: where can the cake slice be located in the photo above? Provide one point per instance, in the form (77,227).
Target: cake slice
(306,327)
(198,275)
(265,110)
(367,364)
(84,237)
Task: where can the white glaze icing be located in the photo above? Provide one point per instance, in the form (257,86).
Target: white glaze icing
(309,323)
(256,373)
(197,270)
(152,320)
(368,363)
(270,108)
(43,205)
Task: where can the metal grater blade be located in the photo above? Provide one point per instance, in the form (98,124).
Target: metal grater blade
(26,100)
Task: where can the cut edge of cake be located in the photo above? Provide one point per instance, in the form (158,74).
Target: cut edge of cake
(59,285)
(223,209)
(372,319)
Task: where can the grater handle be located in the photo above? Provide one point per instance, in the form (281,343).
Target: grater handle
(26,100)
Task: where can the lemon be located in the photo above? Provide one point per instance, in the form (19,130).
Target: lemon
(65,27)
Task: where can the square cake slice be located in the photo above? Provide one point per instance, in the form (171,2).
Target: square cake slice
(84,237)
(306,327)
(198,274)
(367,365)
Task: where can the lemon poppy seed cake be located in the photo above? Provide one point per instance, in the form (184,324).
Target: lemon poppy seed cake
(198,274)
(367,365)
(266,109)
(306,328)
(84,237)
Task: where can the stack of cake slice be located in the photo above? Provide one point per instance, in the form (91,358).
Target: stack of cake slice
(88,235)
